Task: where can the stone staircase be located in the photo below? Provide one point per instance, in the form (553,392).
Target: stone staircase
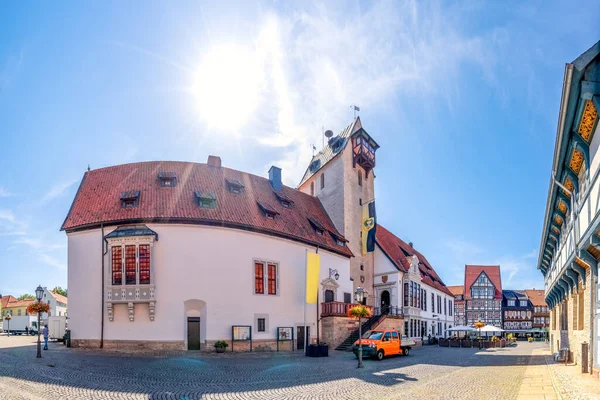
(366,326)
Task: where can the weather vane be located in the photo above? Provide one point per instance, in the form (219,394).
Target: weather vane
(355,108)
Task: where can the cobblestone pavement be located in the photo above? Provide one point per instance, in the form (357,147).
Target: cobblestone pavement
(570,383)
(429,372)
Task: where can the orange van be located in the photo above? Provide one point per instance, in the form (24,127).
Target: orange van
(381,343)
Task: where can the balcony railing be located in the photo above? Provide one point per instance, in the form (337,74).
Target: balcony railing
(389,310)
(337,309)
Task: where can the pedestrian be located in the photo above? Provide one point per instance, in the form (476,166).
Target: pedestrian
(45,333)
(27,330)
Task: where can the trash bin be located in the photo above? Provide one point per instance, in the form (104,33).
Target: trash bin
(323,350)
(67,339)
(312,350)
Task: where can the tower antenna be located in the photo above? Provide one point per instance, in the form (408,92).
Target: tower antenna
(314,148)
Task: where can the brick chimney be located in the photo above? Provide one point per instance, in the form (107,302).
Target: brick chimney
(214,161)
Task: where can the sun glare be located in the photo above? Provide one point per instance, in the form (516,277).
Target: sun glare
(227,87)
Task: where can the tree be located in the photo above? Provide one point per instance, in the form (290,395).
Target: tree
(26,296)
(61,291)
(359,312)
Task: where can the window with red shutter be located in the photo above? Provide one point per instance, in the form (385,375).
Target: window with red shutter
(272,278)
(130,270)
(259,280)
(117,265)
(144,260)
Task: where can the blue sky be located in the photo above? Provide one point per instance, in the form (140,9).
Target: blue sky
(462,97)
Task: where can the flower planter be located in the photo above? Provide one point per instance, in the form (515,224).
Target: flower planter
(444,342)
(220,349)
(455,343)
(466,343)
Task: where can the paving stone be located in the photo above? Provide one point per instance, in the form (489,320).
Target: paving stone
(429,372)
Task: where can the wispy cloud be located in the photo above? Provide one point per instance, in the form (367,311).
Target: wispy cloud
(57,190)
(518,271)
(7,215)
(5,193)
(53,261)
(316,62)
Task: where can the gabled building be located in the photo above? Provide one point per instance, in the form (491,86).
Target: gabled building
(460,318)
(179,255)
(541,314)
(517,312)
(404,280)
(483,294)
(570,240)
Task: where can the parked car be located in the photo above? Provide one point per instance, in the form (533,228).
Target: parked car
(381,343)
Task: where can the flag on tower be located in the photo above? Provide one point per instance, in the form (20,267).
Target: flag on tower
(369,222)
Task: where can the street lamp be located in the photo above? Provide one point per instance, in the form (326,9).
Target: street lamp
(8,318)
(334,273)
(39,292)
(359,295)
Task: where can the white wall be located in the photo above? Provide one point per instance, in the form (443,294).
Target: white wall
(209,264)
(594,155)
(383,266)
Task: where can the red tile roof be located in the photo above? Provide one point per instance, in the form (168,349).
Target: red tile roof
(400,253)
(537,297)
(456,290)
(60,298)
(98,201)
(11,302)
(472,272)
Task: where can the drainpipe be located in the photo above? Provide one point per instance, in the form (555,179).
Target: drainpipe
(104,251)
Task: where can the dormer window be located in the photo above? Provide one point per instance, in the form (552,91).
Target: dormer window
(314,166)
(167,179)
(269,211)
(319,230)
(339,240)
(130,199)
(284,200)
(234,186)
(206,199)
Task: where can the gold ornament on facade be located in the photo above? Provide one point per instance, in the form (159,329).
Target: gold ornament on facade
(569,185)
(581,263)
(555,230)
(588,120)
(558,220)
(562,207)
(576,161)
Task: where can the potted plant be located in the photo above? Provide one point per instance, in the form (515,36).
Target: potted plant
(220,346)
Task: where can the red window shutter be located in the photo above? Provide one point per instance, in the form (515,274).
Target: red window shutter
(259,279)
(272,279)
(144,260)
(117,265)
(130,265)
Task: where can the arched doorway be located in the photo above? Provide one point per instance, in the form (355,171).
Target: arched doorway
(385,302)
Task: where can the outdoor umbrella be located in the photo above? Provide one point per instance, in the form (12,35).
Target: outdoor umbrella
(491,328)
(461,328)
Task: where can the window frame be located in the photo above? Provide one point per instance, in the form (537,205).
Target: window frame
(121,246)
(322,180)
(267,280)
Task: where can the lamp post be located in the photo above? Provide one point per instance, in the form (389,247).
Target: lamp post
(39,292)
(359,295)
(8,318)
(333,273)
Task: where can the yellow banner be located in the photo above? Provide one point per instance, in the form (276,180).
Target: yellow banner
(313,266)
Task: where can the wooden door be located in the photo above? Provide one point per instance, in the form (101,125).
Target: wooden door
(193,333)
(300,336)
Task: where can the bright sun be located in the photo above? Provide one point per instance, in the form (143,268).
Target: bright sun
(227,87)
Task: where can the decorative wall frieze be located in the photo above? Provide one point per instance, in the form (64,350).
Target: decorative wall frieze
(588,121)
